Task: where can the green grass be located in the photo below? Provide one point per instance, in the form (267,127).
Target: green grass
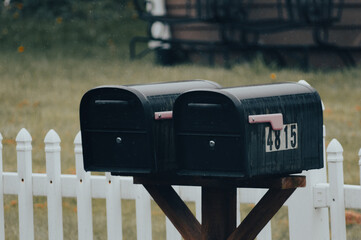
(41,88)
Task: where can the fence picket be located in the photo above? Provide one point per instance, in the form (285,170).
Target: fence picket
(257,194)
(143,213)
(113,207)
(25,195)
(266,233)
(301,206)
(337,201)
(359,163)
(83,191)
(171,232)
(2,223)
(54,198)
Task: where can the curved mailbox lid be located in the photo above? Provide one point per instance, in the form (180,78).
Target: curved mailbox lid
(269,90)
(114,107)
(179,87)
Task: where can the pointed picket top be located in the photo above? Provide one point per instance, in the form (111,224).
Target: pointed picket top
(334,146)
(305,83)
(77,142)
(52,137)
(359,155)
(23,136)
(334,151)
(23,140)
(77,139)
(52,142)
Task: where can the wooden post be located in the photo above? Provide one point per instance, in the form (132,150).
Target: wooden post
(218,212)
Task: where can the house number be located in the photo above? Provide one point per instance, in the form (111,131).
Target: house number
(284,139)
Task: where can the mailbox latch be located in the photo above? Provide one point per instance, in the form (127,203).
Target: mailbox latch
(275,119)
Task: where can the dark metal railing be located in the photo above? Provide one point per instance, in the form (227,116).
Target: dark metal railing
(239,28)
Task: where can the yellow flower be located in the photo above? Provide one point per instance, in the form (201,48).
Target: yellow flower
(59,20)
(5,31)
(273,76)
(21,49)
(8,141)
(19,6)
(40,205)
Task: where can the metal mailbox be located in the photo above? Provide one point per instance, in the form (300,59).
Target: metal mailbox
(262,130)
(128,130)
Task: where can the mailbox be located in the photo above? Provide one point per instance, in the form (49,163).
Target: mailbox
(263,130)
(128,130)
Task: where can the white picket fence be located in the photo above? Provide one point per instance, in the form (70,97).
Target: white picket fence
(307,208)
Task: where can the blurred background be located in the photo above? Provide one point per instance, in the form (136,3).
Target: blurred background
(53,51)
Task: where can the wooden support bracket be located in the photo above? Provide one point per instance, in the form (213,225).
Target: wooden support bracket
(263,212)
(219,205)
(176,210)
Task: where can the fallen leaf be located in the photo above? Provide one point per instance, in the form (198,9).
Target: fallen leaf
(352,217)
(8,141)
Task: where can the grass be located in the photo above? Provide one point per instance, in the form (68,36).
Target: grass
(63,56)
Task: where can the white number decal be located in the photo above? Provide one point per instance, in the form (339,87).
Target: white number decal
(285,139)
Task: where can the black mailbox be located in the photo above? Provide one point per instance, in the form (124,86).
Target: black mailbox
(273,129)
(128,130)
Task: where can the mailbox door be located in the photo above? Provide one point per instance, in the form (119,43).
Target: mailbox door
(115,131)
(117,151)
(208,135)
